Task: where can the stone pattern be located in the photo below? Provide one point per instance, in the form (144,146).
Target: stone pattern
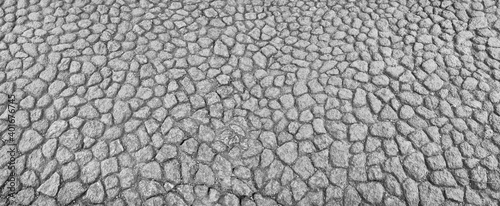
(126,102)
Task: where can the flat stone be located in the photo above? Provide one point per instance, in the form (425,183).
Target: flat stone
(72,139)
(478,23)
(220,49)
(429,66)
(90,172)
(172,171)
(93,129)
(452,61)
(37,87)
(69,192)
(206,133)
(339,154)
(151,170)
(494,52)
(364,115)
(383,129)
(433,82)
(287,152)
(121,112)
(305,101)
(494,42)
(415,167)
(443,179)
(372,192)
(56,129)
(50,186)
(204,175)
(358,132)
(304,167)
(95,193)
(30,140)
(268,139)
(151,188)
(430,195)
(411,98)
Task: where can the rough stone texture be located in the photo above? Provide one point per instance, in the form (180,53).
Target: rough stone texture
(250,102)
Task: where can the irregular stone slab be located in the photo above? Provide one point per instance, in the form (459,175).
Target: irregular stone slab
(56,129)
(93,129)
(69,192)
(415,166)
(51,186)
(430,195)
(358,132)
(339,154)
(383,129)
(29,140)
(372,192)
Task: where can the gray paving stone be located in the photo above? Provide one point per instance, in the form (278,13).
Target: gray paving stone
(251,103)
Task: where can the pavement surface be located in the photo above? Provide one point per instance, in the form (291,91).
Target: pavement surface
(249,102)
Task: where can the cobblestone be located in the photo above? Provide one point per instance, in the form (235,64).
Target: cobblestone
(252,102)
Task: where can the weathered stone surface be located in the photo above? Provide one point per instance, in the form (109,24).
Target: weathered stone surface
(414,165)
(255,103)
(30,139)
(358,132)
(430,195)
(287,152)
(51,186)
(372,192)
(93,129)
(383,129)
(69,192)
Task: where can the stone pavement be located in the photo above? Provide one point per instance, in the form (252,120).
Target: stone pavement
(251,102)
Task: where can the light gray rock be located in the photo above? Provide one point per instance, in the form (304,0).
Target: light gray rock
(29,140)
(69,192)
(372,192)
(287,152)
(51,186)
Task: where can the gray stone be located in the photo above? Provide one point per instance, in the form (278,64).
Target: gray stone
(121,112)
(383,129)
(268,139)
(287,152)
(90,172)
(433,82)
(151,188)
(206,134)
(151,170)
(51,186)
(29,140)
(430,195)
(358,132)
(414,165)
(364,115)
(36,87)
(204,175)
(56,129)
(339,154)
(429,66)
(442,178)
(95,193)
(304,167)
(372,192)
(69,192)
(221,49)
(478,23)
(305,101)
(452,61)
(72,139)
(172,171)
(93,129)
